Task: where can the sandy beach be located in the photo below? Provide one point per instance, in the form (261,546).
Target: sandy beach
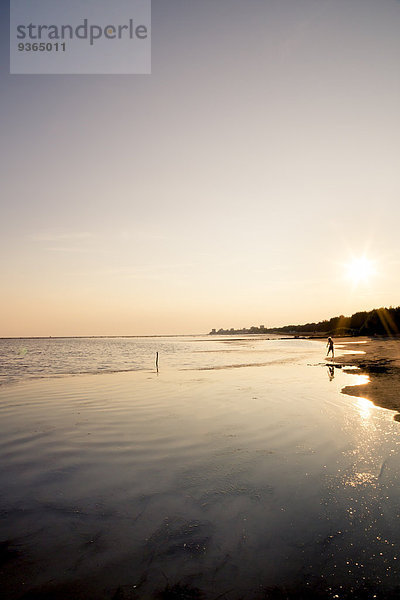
(379,358)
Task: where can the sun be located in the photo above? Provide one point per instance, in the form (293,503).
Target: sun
(360,270)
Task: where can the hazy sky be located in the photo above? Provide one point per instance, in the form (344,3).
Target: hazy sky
(229,188)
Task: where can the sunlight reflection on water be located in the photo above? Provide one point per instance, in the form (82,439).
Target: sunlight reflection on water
(365,407)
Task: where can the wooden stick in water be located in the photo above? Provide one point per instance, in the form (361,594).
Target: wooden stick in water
(157,361)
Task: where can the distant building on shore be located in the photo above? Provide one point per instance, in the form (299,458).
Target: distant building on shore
(253,330)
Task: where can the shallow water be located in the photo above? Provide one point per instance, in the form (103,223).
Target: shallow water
(229,480)
(33,358)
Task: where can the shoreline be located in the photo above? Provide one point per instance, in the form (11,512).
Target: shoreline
(380,361)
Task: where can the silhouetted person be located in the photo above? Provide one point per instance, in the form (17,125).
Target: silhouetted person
(330,347)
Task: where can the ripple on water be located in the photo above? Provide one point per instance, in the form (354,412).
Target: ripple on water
(249,475)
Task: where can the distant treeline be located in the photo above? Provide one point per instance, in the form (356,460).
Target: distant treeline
(379,321)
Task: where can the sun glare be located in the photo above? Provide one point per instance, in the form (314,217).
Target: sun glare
(360,270)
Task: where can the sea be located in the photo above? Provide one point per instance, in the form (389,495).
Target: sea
(33,358)
(236,469)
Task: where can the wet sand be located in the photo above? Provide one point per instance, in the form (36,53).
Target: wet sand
(380,360)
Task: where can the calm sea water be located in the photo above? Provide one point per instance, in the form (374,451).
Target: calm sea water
(22,359)
(238,468)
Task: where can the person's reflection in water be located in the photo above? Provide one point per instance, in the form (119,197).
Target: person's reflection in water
(331,372)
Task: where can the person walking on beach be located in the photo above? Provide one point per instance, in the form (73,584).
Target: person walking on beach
(330,347)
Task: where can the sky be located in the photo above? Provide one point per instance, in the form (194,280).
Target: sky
(231,187)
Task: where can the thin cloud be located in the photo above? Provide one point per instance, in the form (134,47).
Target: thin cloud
(61,237)
(68,249)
